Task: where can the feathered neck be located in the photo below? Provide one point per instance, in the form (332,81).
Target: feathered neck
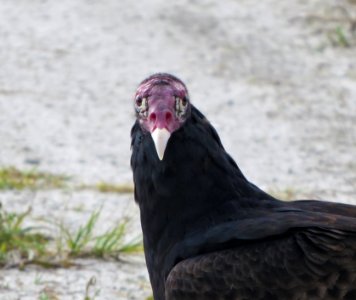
(177,194)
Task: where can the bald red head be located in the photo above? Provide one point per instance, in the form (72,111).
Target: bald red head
(162,106)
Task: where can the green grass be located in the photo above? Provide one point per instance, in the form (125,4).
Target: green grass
(48,294)
(112,243)
(114,188)
(43,296)
(32,247)
(16,238)
(106,187)
(77,241)
(14,179)
(88,289)
(22,245)
(339,38)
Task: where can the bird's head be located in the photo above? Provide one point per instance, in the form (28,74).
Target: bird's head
(162,106)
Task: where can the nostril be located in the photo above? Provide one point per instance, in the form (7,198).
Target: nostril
(168,116)
(153,117)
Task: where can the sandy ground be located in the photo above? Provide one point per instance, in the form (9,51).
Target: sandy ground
(272,76)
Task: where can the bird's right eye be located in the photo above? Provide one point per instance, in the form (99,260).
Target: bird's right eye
(139,102)
(141,106)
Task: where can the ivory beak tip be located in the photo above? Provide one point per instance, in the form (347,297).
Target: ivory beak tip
(160,138)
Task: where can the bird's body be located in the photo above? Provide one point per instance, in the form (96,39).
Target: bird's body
(211,234)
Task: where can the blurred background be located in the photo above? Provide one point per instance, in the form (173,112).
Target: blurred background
(277,79)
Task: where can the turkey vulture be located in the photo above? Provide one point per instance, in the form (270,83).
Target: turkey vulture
(209,233)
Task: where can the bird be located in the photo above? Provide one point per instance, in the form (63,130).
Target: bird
(211,234)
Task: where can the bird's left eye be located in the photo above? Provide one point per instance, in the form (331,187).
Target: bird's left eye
(181,106)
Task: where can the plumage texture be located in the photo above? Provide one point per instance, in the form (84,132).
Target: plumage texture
(211,234)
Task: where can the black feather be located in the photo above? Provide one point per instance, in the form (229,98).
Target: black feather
(211,234)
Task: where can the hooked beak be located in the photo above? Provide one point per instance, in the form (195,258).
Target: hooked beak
(160,138)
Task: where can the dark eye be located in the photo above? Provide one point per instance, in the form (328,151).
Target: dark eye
(141,106)
(184,101)
(138,101)
(181,106)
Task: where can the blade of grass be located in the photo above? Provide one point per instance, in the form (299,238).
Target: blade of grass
(14,237)
(79,240)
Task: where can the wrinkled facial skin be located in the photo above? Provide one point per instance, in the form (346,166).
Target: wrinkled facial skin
(161,103)
(162,106)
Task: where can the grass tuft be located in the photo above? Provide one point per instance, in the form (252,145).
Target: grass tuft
(339,38)
(104,187)
(89,286)
(77,241)
(12,178)
(48,294)
(83,242)
(31,247)
(112,242)
(17,239)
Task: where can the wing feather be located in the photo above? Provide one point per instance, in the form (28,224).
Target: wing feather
(309,264)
